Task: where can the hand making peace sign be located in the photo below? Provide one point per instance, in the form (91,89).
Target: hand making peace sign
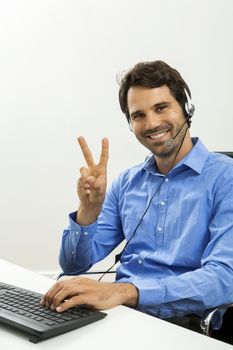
(91,187)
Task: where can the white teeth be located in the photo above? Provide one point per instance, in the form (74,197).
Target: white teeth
(156,136)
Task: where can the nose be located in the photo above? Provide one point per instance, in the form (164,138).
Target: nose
(152,121)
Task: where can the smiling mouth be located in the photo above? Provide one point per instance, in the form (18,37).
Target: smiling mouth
(158,135)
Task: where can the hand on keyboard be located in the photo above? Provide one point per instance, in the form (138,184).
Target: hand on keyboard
(84,291)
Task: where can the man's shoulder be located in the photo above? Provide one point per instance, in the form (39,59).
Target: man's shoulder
(220,160)
(220,167)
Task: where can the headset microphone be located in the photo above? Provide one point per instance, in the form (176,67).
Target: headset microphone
(169,142)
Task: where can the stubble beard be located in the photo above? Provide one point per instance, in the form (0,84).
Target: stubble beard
(166,150)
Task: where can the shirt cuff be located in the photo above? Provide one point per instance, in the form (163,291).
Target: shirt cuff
(87,231)
(151,293)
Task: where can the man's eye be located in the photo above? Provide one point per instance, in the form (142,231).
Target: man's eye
(137,116)
(160,109)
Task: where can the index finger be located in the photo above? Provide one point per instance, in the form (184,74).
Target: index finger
(86,151)
(47,298)
(104,153)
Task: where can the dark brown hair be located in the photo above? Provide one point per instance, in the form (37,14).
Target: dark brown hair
(151,75)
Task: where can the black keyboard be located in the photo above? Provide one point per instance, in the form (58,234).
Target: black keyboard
(21,308)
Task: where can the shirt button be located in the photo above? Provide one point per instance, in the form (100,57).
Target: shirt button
(159,229)
(166,180)
(77,233)
(73,252)
(85,233)
(140,261)
(162,203)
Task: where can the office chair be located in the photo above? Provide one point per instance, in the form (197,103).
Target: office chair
(207,318)
(225,333)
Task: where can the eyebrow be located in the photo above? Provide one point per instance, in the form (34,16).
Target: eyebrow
(156,105)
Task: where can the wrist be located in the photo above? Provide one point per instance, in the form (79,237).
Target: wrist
(128,294)
(86,216)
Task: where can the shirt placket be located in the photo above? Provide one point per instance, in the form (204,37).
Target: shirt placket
(162,209)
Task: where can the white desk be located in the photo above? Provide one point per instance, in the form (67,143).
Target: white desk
(123,328)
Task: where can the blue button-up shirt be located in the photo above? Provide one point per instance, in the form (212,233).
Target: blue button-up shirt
(181,256)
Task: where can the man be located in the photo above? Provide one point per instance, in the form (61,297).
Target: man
(174,210)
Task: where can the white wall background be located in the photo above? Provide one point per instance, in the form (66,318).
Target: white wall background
(58,65)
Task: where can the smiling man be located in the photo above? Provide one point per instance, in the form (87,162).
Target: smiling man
(174,210)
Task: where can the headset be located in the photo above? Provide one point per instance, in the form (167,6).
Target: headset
(189,107)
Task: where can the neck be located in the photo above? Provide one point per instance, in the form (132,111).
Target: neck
(164,164)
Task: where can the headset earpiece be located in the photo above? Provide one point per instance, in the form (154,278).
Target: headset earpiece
(189,106)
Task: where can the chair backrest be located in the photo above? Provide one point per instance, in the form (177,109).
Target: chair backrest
(229,154)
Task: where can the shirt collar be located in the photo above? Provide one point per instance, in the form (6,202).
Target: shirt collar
(195,159)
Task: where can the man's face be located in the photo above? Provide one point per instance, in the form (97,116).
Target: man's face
(156,117)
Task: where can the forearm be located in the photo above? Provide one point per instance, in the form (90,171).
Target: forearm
(76,248)
(83,246)
(191,292)
(75,254)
